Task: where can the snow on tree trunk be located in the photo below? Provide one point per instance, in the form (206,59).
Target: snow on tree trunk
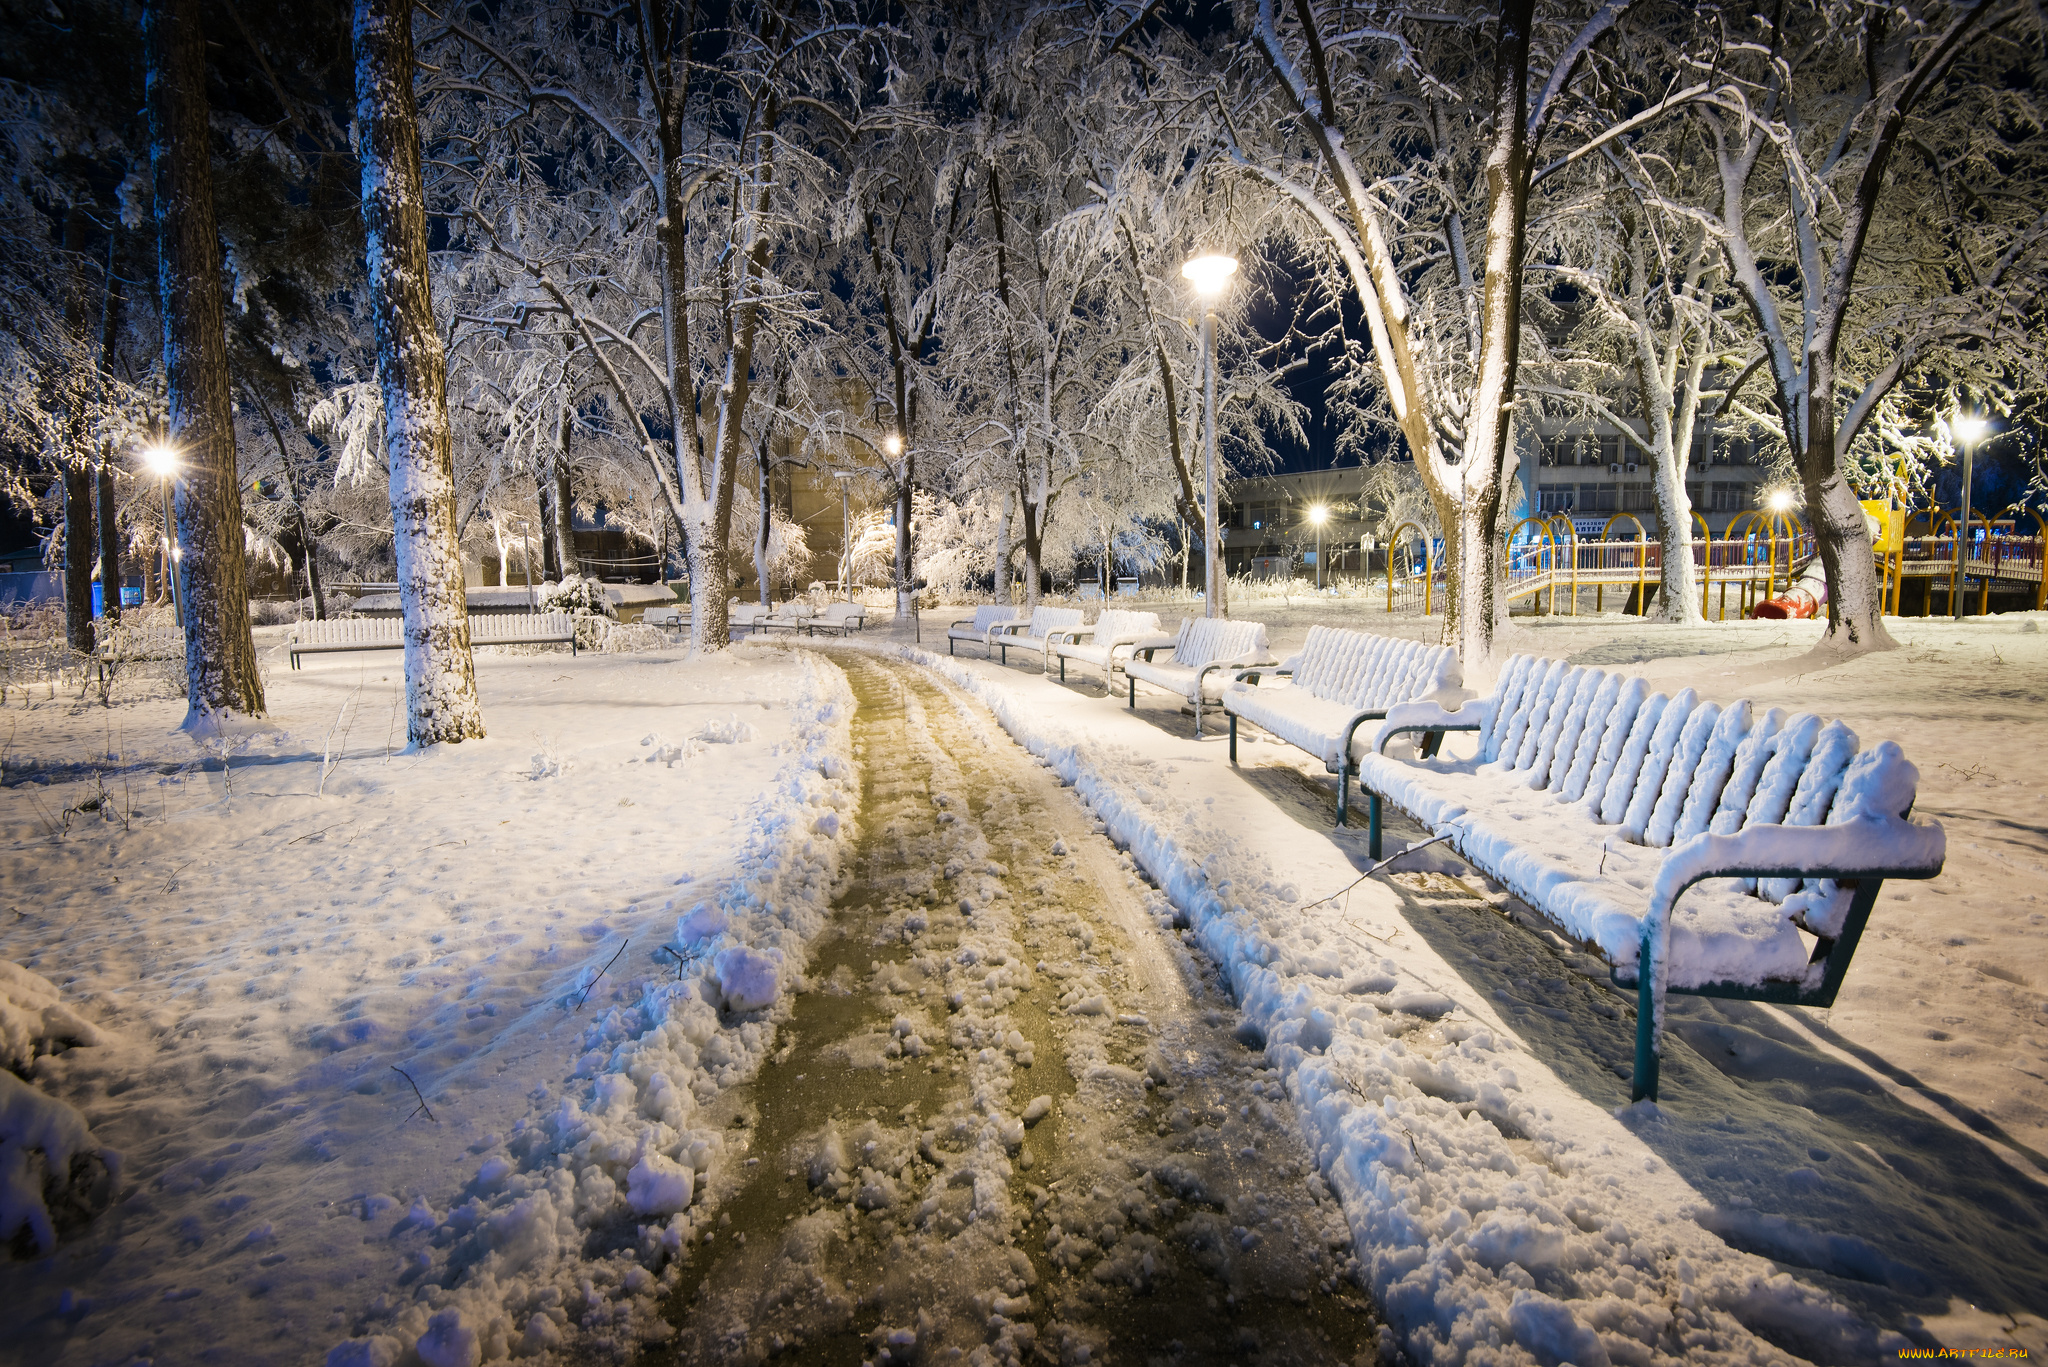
(220,657)
(110,541)
(1002,584)
(1840,531)
(78,555)
(906,585)
(440,676)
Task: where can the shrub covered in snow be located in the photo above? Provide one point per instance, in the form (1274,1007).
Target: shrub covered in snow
(34,1019)
(580,594)
(46,1148)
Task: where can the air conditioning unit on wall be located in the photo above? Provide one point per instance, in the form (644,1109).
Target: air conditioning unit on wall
(1631,467)
(1615,468)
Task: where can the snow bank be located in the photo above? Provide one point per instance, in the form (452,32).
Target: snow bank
(1499,1216)
(564,1241)
(33,1018)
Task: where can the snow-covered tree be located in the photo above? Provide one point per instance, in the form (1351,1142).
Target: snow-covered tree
(440,676)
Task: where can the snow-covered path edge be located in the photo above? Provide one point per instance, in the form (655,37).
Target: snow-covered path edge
(565,1238)
(1576,1245)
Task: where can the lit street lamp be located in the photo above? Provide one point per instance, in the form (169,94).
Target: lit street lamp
(1210,276)
(845,535)
(1966,429)
(1319,514)
(163,463)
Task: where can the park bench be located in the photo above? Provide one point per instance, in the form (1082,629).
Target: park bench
(741,618)
(843,618)
(673,618)
(1034,633)
(116,642)
(1339,681)
(977,627)
(1204,652)
(1115,632)
(1600,804)
(388,633)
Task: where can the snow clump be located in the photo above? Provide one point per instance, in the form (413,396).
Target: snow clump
(34,1018)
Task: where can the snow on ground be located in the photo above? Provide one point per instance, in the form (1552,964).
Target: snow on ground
(262,945)
(1458,1071)
(577,936)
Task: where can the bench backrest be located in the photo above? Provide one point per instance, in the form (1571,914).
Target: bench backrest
(1362,670)
(745,614)
(1666,768)
(1205,640)
(1044,620)
(1116,622)
(352,630)
(988,618)
(844,612)
(499,625)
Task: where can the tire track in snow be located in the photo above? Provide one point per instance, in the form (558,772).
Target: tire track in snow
(1006,1121)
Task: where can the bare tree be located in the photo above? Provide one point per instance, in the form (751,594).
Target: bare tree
(440,676)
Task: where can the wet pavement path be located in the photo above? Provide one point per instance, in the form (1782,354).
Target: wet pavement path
(1011,1118)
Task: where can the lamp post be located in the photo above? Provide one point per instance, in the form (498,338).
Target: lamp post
(1966,429)
(1319,514)
(1210,276)
(845,535)
(163,463)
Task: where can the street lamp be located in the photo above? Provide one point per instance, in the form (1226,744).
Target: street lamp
(1967,429)
(1318,514)
(1781,501)
(162,461)
(845,535)
(1210,276)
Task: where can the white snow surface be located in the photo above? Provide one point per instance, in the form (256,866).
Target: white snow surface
(1502,1217)
(249,968)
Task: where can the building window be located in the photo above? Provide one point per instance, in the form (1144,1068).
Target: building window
(1596,498)
(1553,498)
(1733,451)
(1638,496)
(1607,450)
(1725,497)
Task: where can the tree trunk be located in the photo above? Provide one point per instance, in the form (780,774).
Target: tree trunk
(78,553)
(1002,585)
(906,587)
(110,541)
(440,675)
(1033,545)
(220,657)
(563,507)
(762,474)
(1840,533)
(544,507)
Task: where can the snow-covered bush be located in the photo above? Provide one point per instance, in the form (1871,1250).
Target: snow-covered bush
(34,1019)
(47,1151)
(632,638)
(580,594)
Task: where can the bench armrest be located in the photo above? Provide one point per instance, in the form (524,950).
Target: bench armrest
(1066,634)
(1249,660)
(1150,645)
(1428,714)
(1253,675)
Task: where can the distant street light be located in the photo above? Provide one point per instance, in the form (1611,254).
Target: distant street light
(893,444)
(845,535)
(1210,276)
(1319,514)
(162,461)
(1781,501)
(1967,429)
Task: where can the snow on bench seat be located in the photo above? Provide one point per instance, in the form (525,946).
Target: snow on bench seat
(977,628)
(1033,634)
(1601,804)
(388,633)
(1206,649)
(1103,645)
(1340,680)
(844,618)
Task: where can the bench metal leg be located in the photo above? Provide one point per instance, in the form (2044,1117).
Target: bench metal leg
(1198,714)
(949,645)
(1343,790)
(1134,691)
(1063,669)
(1233,753)
(1372,825)
(1644,1083)
(1430,741)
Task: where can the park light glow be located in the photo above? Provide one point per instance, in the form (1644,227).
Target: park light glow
(1210,274)
(893,444)
(162,461)
(1781,501)
(1966,428)
(1318,514)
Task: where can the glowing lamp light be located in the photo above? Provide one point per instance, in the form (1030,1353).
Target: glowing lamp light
(1319,514)
(161,460)
(1210,275)
(893,444)
(1781,501)
(1966,429)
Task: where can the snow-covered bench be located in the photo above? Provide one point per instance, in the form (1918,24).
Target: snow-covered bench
(1600,804)
(672,618)
(844,618)
(741,618)
(1105,644)
(977,628)
(1339,681)
(118,642)
(1204,653)
(1033,634)
(388,633)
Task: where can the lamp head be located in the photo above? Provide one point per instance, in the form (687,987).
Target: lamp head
(1781,501)
(1318,514)
(1966,428)
(842,474)
(1210,274)
(893,444)
(160,460)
